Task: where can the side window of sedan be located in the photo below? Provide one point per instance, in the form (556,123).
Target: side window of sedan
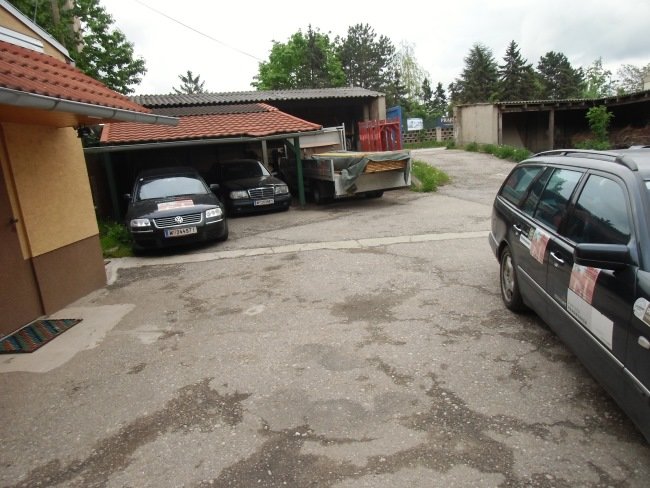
(600,215)
(553,202)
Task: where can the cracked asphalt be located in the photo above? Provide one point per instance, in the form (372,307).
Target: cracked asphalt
(359,344)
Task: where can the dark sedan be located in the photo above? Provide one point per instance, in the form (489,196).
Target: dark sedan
(174,206)
(247,186)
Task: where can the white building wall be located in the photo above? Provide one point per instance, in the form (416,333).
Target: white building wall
(477,123)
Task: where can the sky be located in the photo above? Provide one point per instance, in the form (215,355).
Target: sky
(224,41)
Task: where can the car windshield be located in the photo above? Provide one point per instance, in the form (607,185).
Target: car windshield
(171,186)
(243,169)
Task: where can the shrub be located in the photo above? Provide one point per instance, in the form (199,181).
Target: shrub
(450,144)
(472,147)
(520,155)
(430,178)
(489,148)
(593,144)
(115,239)
(504,152)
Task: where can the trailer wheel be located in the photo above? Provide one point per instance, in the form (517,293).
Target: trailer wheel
(321,193)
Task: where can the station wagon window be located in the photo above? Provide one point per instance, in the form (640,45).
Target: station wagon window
(554,200)
(600,215)
(531,202)
(518,182)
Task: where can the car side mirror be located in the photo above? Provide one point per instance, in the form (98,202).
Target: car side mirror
(605,256)
(214,187)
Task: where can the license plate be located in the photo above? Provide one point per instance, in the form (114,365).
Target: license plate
(267,201)
(184,231)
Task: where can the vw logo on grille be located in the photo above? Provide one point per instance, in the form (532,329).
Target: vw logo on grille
(178,219)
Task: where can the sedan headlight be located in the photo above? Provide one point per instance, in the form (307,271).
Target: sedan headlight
(140,223)
(213,213)
(281,189)
(238,194)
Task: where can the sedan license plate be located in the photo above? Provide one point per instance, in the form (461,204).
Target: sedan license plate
(184,231)
(266,201)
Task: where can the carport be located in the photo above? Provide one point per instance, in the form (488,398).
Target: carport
(220,133)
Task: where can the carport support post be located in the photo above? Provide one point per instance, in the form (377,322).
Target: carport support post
(295,147)
(112,187)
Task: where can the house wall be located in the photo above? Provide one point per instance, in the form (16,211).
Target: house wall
(47,182)
(10,22)
(49,173)
(477,123)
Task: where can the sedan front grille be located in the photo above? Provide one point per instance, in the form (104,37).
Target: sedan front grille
(173,221)
(264,192)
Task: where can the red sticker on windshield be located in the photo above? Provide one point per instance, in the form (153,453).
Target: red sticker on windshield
(175,204)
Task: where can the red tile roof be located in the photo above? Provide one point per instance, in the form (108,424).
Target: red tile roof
(32,72)
(265,122)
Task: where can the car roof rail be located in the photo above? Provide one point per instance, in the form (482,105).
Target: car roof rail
(600,155)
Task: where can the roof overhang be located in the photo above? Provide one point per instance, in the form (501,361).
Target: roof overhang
(197,142)
(23,107)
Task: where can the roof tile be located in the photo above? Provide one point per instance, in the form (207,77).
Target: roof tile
(32,72)
(265,121)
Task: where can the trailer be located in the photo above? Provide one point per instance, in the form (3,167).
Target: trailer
(343,174)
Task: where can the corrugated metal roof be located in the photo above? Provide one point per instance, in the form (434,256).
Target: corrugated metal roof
(178,100)
(570,101)
(268,122)
(246,108)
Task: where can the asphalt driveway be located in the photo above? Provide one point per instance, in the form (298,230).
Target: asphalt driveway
(360,344)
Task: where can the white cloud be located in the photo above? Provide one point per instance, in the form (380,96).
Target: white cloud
(442,33)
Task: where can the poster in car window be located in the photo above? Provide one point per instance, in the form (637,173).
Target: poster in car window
(580,297)
(538,243)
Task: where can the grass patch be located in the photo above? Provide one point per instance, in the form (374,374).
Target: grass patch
(429,178)
(510,153)
(115,239)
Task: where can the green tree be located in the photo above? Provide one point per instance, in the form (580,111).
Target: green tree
(479,80)
(366,58)
(630,77)
(395,91)
(598,81)
(98,49)
(412,74)
(599,119)
(306,60)
(516,76)
(440,105)
(558,79)
(191,84)
(427,95)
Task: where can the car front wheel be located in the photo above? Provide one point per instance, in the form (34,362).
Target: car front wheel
(509,286)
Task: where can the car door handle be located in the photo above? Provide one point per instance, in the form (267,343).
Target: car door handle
(518,229)
(557,259)
(643,342)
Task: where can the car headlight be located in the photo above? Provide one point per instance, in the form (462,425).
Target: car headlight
(140,223)
(213,213)
(281,189)
(239,194)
